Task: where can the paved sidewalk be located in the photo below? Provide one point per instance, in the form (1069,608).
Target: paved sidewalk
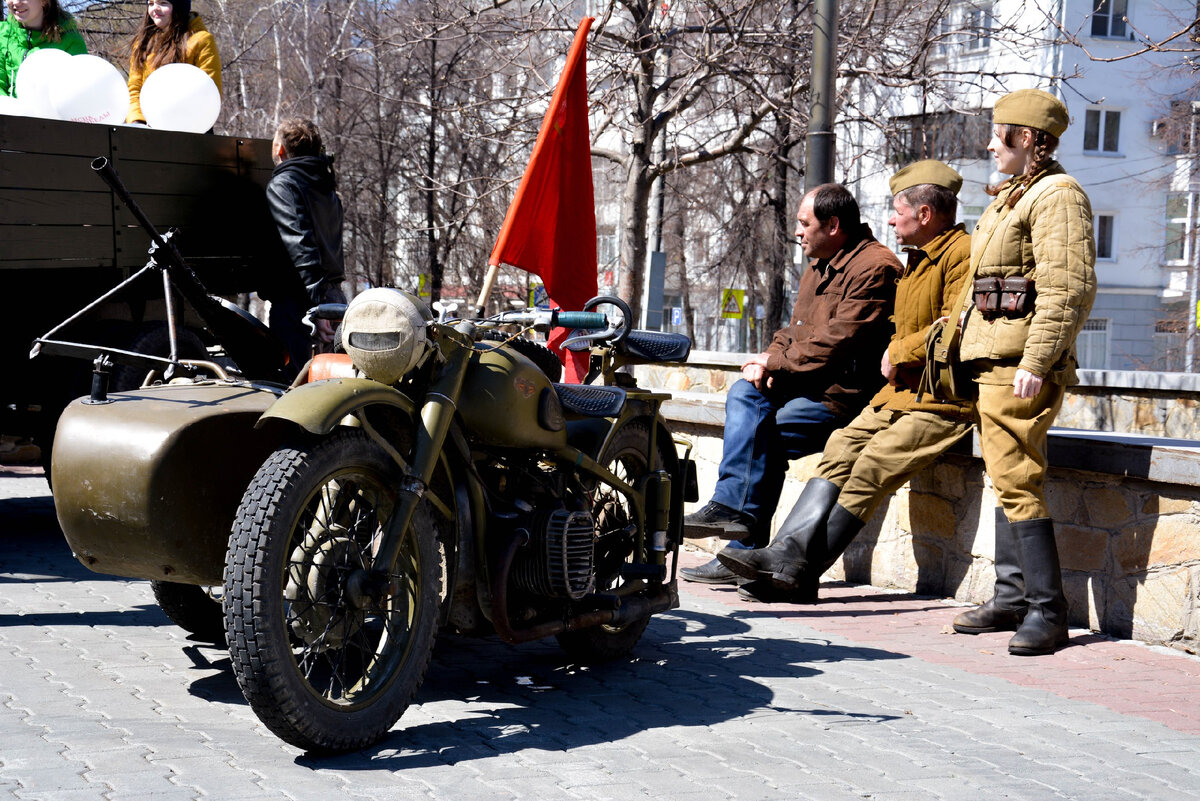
(865,696)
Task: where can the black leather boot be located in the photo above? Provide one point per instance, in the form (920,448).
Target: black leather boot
(1006,608)
(785,556)
(1045,626)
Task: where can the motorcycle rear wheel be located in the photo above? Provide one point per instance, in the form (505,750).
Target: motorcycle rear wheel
(615,546)
(328,647)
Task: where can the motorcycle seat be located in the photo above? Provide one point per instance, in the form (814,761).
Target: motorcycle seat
(657,346)
(590,401)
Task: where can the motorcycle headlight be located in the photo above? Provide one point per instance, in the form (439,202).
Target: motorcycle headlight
(383,332)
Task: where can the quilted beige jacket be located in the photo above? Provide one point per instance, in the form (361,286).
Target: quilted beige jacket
(1046,236)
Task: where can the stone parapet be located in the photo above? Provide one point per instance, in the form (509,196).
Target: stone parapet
(1160,404)
(1127,509)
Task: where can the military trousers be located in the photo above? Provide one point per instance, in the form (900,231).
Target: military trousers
(880,450)
(1012,436)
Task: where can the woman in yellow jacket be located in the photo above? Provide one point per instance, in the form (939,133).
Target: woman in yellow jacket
(169,34)
(1033,257)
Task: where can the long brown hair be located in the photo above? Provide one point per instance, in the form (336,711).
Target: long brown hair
(162,46)
(54,21)
(1044,145)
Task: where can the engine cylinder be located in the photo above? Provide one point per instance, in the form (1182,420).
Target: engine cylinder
(557,562)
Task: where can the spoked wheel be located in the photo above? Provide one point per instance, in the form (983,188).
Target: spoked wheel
(328,646)
(195,609)
(616,545)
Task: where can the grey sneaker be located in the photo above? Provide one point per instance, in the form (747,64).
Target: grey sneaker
(717,520)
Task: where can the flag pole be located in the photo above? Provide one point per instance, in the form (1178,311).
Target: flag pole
(489,281)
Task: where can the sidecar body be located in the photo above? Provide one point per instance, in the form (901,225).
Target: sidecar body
(147,484)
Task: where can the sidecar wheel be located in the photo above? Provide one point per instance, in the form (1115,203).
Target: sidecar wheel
(328,647)
(626,457)
(193,608)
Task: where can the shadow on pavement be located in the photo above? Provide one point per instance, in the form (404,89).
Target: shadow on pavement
(690,669)
(33,549)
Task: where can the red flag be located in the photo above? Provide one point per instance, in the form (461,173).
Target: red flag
(550,228)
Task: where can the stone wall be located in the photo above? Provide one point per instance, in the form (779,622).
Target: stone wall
(1161,404)
(1127,508)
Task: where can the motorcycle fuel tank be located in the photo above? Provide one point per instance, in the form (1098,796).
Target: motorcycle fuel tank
(509,402)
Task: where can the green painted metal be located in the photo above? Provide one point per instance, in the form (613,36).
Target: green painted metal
(321,405)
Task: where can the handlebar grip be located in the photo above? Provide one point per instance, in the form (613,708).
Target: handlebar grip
(581,320)
(330,311)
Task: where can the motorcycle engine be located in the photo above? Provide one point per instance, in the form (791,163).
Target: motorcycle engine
(384,334)
(557,562)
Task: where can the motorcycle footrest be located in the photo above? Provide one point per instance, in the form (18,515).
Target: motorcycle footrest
(657,573)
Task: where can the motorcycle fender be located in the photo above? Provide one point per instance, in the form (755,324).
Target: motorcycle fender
(318,407)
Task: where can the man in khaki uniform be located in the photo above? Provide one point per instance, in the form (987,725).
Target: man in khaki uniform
(899,432)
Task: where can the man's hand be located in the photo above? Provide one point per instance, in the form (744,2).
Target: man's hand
(755,370)
(324,331)
(888,369)
(1026,384)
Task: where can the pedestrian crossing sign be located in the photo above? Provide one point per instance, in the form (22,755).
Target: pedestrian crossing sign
(733,301)
(538,296)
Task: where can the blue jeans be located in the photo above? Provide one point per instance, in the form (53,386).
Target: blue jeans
(762,433)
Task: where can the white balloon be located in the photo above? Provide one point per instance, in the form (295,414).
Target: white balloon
(90,89)
(180,97)
(40,71)
(12,107)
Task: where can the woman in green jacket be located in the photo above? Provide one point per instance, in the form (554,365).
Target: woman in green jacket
(32,25)
(1033,258)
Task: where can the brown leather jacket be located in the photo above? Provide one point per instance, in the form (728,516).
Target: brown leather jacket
(840,325)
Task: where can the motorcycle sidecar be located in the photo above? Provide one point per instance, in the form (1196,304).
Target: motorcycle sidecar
(147,484)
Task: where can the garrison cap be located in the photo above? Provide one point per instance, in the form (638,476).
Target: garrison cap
(929,171)
(1032,108)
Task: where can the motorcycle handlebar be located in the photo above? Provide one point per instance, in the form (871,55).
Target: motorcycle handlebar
(545,319)
(590,320)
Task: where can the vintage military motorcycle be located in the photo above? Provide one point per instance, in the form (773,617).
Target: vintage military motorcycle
(431,476)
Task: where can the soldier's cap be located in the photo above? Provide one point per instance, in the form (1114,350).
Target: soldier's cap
(929,171)
(1032,108)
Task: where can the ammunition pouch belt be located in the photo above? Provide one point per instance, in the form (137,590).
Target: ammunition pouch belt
(1004,297)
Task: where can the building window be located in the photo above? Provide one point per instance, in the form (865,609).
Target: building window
(1106,235)
(1168,346)
(1175,249)
(970,216)
(1109,18)
(966,27)
(1102,131)
(1091,347)
(606,246)
(944,38)
(944,135)
(977,27)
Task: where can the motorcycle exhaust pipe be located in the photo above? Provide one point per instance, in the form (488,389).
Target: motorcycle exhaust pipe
(631,609)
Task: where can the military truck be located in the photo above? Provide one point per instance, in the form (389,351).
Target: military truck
(65,240)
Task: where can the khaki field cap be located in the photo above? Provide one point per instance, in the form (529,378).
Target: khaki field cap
(930,171)
(1032,108)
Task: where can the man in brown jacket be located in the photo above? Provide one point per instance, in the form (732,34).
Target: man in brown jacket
(900,431)
(816,374)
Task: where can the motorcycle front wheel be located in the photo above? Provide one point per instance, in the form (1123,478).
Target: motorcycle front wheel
(616,545)
(328,646)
